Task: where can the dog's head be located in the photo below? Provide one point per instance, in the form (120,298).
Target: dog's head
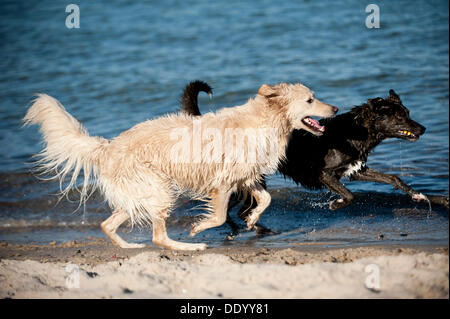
(299,105)
(392,118)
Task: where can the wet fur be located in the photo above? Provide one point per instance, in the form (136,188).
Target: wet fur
(135,171)
(321,161)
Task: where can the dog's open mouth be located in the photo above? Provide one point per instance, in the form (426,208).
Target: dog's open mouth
(408,135)
(313,125)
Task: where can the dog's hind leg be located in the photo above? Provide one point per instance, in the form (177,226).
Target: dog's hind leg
(111,225)
(160,238)
(219,202)
(336,186)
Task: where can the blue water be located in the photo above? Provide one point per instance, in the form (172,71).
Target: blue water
(129,61)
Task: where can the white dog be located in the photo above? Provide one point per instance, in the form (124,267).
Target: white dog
(144,169)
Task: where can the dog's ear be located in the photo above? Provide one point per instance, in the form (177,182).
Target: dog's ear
(393,97)
(267,91)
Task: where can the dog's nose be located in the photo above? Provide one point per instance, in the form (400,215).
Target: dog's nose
(422,129)
(335,109)
(418,129)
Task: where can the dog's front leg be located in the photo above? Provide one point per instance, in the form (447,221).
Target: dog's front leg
(262,198)
(371,175)
(336,186)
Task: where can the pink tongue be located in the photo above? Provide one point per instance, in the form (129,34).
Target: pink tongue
(316,124)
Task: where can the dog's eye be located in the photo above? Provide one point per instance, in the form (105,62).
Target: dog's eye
(310,100)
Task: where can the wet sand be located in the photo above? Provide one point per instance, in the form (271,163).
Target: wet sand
(301,271)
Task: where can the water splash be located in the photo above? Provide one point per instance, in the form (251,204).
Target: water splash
(401,158)
(429,207)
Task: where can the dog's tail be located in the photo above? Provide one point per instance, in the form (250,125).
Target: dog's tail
(68,146)
(189,98)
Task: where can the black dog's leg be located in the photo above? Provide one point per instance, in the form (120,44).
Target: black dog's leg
(243,212)
(249,204)
(371,175)
(336,186)
(246,208)
(235,199)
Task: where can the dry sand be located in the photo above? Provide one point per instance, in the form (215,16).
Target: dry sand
(104,271)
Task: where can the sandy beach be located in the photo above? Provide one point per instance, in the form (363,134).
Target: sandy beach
(96,269)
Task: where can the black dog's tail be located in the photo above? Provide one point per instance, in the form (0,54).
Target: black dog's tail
(189,102)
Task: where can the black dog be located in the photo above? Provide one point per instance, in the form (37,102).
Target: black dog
(341,151)
(344,147)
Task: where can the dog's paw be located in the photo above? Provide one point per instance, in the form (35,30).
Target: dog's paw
(446,202)
(131,245)
(197,227)
(187,246)
(251,220)
(194,231)
(337,203)
(264,231)
(419,197)
(197,247)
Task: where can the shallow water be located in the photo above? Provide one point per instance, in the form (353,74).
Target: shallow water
(129,62)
